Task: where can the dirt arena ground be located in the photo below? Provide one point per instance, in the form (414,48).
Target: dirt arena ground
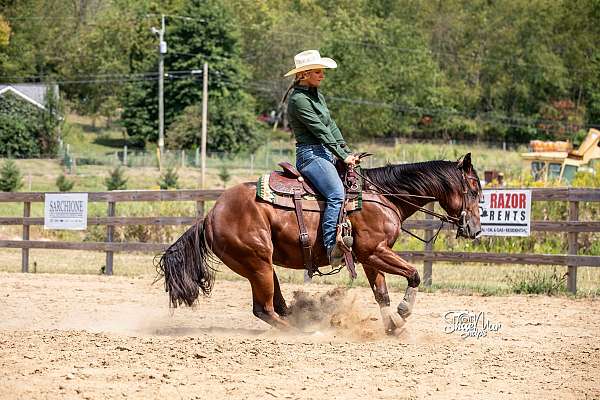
(93,337)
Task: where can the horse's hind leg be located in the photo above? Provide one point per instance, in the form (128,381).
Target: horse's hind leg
(391,320)
(278,300)
(263,294)
(266,294)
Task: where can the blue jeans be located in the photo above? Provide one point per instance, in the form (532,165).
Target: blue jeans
(315,162)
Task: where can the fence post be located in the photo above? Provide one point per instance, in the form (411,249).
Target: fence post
(428,264)
(110,230)
(24,251)
(573,247)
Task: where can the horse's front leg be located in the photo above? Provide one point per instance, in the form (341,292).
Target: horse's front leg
(385,260)
(391,321)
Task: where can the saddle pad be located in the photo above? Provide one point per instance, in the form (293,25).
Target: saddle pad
(309,203)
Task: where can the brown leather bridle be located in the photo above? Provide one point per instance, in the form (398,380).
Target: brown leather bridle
(461,222)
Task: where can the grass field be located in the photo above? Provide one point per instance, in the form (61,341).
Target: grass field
(464,279)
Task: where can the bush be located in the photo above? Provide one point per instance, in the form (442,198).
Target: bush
(26,130)
(116,180)
(10,177)
(64,184)
(538,282)
(168,180)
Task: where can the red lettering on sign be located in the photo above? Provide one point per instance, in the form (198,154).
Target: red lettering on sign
(508,200)
(522,200)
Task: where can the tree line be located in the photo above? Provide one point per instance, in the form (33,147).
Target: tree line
(480,69)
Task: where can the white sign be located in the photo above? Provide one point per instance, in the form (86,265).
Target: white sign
(505,212)
(66,211)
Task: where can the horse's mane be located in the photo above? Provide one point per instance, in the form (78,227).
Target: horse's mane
(429,177)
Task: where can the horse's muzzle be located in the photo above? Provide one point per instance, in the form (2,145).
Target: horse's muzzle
(467,232)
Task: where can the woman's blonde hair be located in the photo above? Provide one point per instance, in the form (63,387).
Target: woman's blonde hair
(300,75)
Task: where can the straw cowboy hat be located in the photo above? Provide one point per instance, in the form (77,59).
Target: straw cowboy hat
(311,59)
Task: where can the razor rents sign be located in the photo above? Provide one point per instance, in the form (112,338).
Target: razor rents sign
(505,212)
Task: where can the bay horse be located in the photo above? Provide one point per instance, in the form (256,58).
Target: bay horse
(250,236)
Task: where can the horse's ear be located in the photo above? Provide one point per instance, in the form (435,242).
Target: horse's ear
(464,163)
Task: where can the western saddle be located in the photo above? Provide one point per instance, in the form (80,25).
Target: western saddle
(289,183)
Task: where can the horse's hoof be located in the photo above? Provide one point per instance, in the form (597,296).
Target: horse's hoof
(396,332)
(391,320)
(406,305)
(404,309)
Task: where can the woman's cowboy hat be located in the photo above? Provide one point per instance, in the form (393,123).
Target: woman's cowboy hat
(311,59)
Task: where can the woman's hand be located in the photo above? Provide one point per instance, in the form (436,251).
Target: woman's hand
(352,159)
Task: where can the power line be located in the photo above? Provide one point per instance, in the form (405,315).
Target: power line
(504,120)
(173,16)
(51,77)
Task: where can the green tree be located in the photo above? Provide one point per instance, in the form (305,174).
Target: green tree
(26,130)
(168,179)
(116,180)
(19,120)
(224,174)
(210,35)
(64,184)
(386,80)
(101,52)
(10,177)
(271,33)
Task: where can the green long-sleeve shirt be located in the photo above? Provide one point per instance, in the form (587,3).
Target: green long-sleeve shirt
(311,122)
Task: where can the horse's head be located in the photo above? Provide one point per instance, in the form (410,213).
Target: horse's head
(463,203)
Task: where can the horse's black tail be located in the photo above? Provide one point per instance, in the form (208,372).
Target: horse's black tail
(185,267)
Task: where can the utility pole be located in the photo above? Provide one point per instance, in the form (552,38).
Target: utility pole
(162,50)
(204,123)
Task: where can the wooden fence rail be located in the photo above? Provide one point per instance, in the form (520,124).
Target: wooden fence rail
(572,227)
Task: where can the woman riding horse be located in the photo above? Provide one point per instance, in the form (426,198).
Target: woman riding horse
(318,142)
(251,235)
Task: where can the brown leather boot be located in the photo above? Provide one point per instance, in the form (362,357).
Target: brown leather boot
(336,255)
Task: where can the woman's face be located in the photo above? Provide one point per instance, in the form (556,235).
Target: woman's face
(313,77)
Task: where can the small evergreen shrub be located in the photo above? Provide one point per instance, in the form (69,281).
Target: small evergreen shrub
(10,177)
(224,174)
(116,180)
(64,184)
(168,180)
